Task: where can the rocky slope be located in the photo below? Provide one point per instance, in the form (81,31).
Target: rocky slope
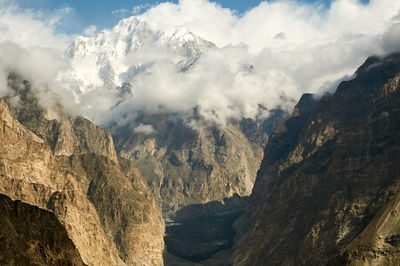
(184,157)
(193,165)
(329,184)
(32,236)
(189,167)
(69,166)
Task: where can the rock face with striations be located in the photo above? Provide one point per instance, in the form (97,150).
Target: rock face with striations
(70,167)
(32,236)
(194,172)
(329,184)
(187,165)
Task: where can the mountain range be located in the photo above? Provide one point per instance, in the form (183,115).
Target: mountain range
(318,184)
(186,159)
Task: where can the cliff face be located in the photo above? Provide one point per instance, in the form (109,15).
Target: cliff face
(191,169)
(187,165)
(329,184)
(69,166)
(32,236)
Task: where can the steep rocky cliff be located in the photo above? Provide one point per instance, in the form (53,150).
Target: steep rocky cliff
(69,166)
(32,236)
(329,184)
(193,165)
(189,165)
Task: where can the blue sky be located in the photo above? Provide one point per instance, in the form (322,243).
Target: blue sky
(104,13)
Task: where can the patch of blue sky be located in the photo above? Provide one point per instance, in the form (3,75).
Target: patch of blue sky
(77,15)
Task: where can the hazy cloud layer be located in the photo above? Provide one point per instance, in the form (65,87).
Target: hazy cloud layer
(144,129)
(279,25)
(268,56)
(38,65)
(28,28)
(30,46)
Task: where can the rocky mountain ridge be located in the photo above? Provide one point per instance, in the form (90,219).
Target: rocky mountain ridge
(327,191)
(70,167)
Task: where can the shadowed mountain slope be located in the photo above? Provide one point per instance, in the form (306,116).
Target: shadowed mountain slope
(32,236)
(329,184)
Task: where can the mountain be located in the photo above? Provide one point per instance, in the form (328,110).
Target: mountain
(189,162)
(186,165)
(69,167)
(190,168)
(182,189)
(328,188)
(108,52)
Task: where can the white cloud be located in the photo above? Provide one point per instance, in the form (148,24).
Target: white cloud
(267,56)
(58,15)
(38,65)
(120,12)
(301,23)
(136,10)
(290,47)
(30,46)
(144,129)
(294,48)
(90,31)
(391,39)
(28,28)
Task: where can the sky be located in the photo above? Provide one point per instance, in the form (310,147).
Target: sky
(267,54)
(106,13)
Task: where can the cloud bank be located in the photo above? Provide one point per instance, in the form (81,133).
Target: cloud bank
(28,28)
(31,47)
(267,57)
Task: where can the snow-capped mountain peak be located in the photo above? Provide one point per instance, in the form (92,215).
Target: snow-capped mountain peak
(110,52)
(132,32)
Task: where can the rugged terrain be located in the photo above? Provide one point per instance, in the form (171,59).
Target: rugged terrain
(69,166)
(32,236)
(189,168)
(187,159)
(192,166)
(186,165)
(329,184)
